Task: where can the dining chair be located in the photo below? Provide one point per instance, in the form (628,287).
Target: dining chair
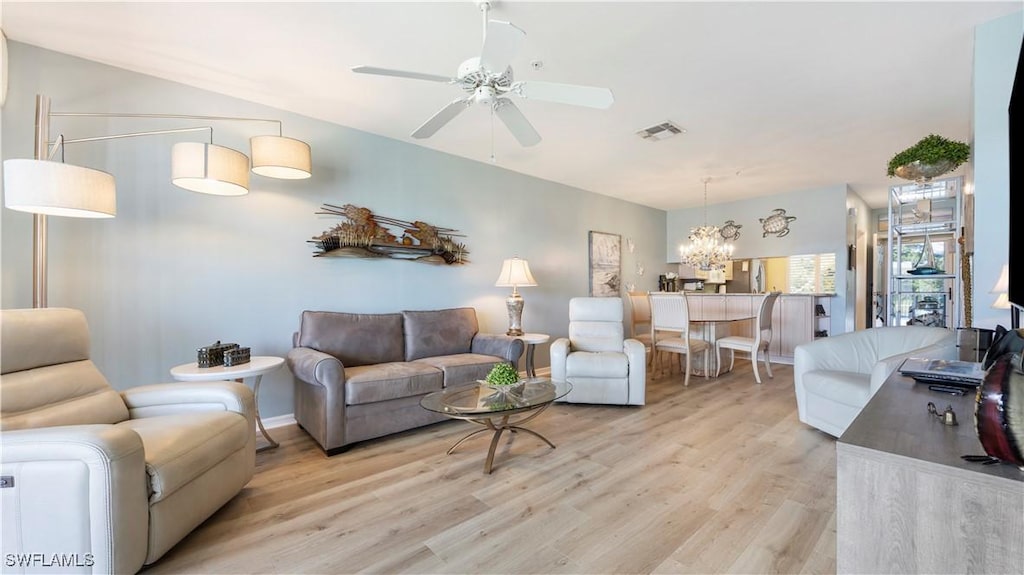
(639,314)
(760,342)
(670,330)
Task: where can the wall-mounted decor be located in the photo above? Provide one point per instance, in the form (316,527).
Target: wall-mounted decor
(366,235)
(730,230)
(776,223)
(605,264)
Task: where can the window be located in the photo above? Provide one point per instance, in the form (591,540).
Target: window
(812,273)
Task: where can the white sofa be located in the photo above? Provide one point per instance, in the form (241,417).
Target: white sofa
(601,365)
(836,376)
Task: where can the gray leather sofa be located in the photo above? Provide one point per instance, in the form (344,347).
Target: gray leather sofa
(361,376)
(113,480)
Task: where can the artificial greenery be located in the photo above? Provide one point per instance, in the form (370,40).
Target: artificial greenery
(931,149)
(503,374)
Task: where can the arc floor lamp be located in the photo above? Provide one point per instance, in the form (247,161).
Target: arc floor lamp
(45,187)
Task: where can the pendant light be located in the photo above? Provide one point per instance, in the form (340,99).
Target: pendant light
(704,252)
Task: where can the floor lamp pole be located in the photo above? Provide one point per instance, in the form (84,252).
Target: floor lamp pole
(39,220)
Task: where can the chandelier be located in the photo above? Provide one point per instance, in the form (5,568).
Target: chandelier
(704,252)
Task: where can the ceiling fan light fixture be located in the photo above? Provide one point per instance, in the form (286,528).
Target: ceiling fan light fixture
(209,169)
(280,157)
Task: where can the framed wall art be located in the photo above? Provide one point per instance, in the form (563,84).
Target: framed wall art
(605,264)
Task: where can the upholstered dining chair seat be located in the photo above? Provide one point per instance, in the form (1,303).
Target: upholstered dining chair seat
(694,345)
(760,343)
(670,330)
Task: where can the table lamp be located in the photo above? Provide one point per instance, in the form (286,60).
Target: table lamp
(515,272)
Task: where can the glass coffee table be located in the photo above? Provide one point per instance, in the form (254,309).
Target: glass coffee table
(495,409)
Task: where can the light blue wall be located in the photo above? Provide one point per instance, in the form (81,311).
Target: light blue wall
(176,270)
(820,227)
(996,48)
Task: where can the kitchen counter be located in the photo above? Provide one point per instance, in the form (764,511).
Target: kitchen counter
(796,318)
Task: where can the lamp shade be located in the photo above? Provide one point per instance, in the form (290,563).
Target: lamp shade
(57,189)
(209,169)
(1003,285)
(280,157)
(515,272)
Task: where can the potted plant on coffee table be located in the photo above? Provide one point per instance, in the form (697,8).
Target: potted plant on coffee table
(503,377)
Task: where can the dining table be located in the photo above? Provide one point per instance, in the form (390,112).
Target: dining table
(709,333)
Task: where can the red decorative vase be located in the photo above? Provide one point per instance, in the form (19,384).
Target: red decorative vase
(999,409)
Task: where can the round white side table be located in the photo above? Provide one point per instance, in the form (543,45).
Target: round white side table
(257,366)
(531,340)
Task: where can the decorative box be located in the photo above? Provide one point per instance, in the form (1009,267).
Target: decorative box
(236,356)
(213,354)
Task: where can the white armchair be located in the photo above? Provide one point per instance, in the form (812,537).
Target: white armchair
(601,365)
(113,479)
(834,377)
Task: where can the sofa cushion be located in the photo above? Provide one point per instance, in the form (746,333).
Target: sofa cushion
(183,446)
(845,387)
(355,339)
(439,332)
(461,368)
(384,381)
(602,364)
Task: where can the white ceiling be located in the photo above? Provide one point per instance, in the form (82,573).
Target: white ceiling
(775,97)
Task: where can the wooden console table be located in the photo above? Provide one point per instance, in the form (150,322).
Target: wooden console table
(907,503)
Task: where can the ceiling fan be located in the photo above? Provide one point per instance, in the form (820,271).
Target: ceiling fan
(488,81)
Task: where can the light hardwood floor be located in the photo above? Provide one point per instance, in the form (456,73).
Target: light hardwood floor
(717,477)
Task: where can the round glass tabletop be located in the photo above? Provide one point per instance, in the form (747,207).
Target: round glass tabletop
(477,400)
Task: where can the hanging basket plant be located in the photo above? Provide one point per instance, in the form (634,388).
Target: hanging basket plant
(931,157)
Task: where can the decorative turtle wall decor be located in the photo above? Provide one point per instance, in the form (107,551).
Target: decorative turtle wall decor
(730,230)
(776,223)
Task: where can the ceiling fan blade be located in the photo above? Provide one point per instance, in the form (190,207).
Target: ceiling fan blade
(516,122)
(442,117)
(500,45)
(565,94)
(401,74)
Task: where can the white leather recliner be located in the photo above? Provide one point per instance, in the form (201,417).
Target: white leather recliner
(110,481)
(602,366)
(836,376)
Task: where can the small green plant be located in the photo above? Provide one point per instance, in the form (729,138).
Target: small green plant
(931,149)
(503,374)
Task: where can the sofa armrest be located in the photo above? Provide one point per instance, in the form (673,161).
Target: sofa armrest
(319,395)
(182,397)
(885,366)
(636,356)
(504,346)
(316,367)
(560,349)
(78,489)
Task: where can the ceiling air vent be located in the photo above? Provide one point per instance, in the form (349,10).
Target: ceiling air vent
(662,131)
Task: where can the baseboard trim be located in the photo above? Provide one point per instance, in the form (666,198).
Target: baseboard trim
(279,421)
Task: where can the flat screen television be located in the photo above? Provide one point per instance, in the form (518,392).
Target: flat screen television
(1016,151)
